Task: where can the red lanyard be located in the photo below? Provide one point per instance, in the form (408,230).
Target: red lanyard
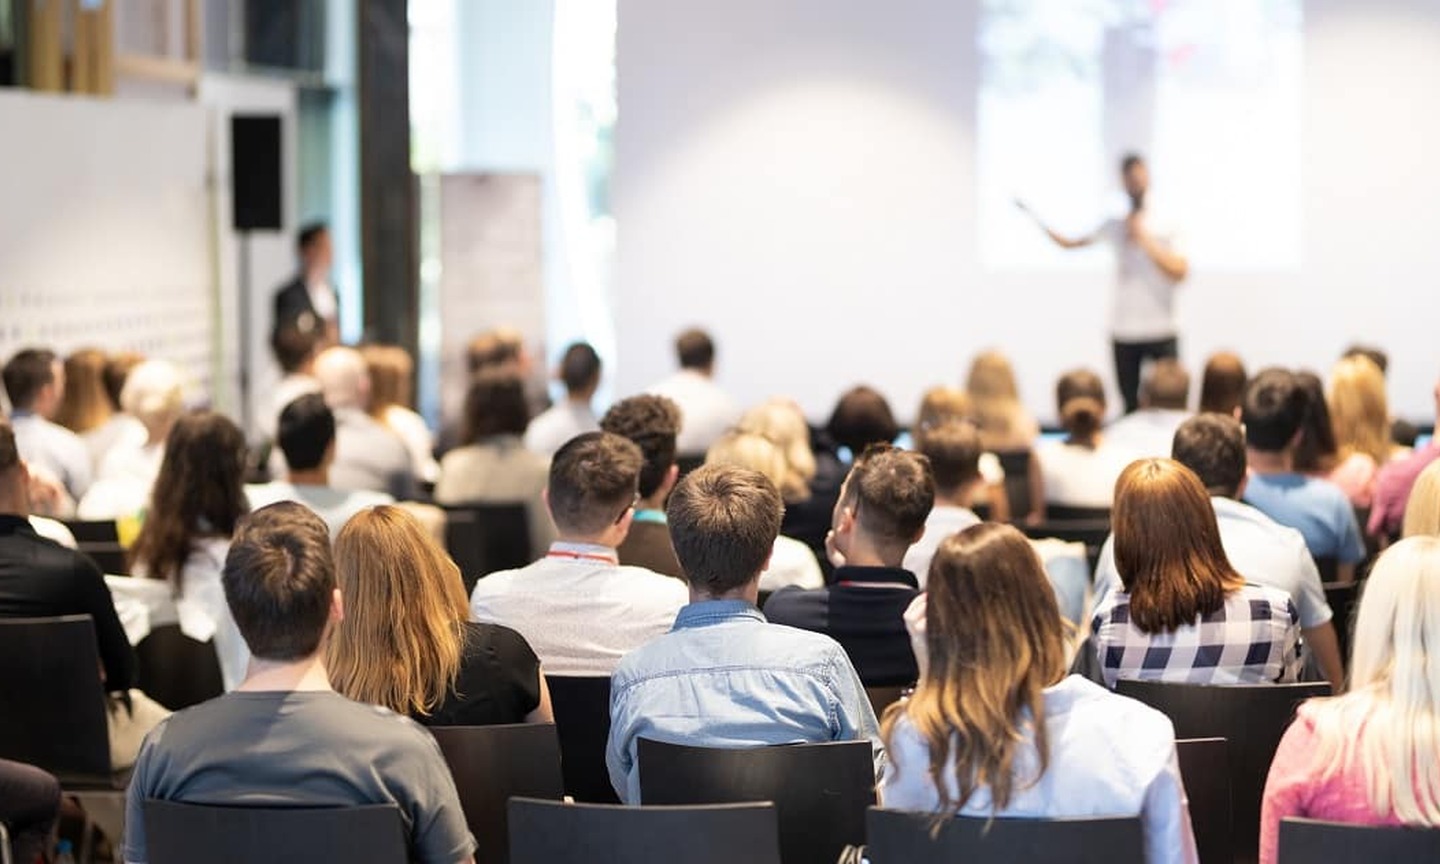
(581,556)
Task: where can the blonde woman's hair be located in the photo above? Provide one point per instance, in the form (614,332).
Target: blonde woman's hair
(1004,423)
(1389,722)
(390,370)
(782,422)
(941,405)
(403,635)
(1422,510)
(752,451)
(85,404)
(1359,410)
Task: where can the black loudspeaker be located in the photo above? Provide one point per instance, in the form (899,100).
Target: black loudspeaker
(255,176)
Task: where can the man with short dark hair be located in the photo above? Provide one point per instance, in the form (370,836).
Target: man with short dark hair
(1273,413)
(295,351)
(883,507)
(724,677)
(706,411)
(285,738)
(1261,550)
(35,384)
(580,373)
(308,302)
(578,607)
(954,451)
(652,423)
(1147,433)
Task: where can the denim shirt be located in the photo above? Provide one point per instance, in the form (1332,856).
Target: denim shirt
(726,677)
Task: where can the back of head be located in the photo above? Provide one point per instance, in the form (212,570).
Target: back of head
(652,423)
(1273,410)
(942,405)
(1222,387)
(1422,508)
(1167,387)
(295,347)
(309,236)
(1316,450)
(495,404)
(26,374)
(953,450)
(723,521)
(1369,352)
(1213,446)
(402,637)
(305,432)
(694,349)
(594,479)
(1359,409)
(1080,401)
(995,641)
(117,370)
(279,581)
(343,378)
(862,417)
(85,404)
(891,493)
(748,450)
(154,393)
(994,396)
(390,369)
(580,370)
(782,422)
(500,348)
(1167,546)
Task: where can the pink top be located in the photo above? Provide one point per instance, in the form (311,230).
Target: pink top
(1356,478)
(1296,788)
(1392,489)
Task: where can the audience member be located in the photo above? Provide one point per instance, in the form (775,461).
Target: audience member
(1369,352)
(154,394)
(306,436)
(1368,757)
(1164,394)
(85,408)
(1080,470)
(1422,513)
(1403,433)
(652,424)
(392,403)
(782,421)
(953,450)
(198,500)
(1263,552)
(881,512)
(287,739)
(492,466)
(706,411)
(406,641)
(578,607)
(367,454)
(580,373)
(860,418)
(1394,482)
(988,633)
(1184,615)
(1006,428)
(941,405)
(1222,385)
(502,348)
(35,384)
(29,809)
(1273,413)
(119,427)
(791,562)
(723,677)
(295,351)
(1361,414)
(1316,452)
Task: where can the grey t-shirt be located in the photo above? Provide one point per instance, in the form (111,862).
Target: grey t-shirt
(302,749)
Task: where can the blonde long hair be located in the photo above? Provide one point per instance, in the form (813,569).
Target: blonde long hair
(1390,719)
(1422,509)
(403,635)
(782,422)
(390,368)
(752,451)
(1359,411)
(1004,423)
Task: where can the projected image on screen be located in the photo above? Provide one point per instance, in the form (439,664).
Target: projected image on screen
(1208,90)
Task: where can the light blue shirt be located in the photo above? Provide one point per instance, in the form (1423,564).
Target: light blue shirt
(726,677)
(1109,756)
(54,451)
(1317,508)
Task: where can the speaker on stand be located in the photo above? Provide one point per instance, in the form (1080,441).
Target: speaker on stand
(256,196)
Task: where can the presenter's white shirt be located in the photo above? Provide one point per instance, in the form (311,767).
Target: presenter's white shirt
(1143,307)
(706,411)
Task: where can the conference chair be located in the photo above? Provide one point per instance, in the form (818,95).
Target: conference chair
(491,765)
(1329,568)
(1343,599)
(547,832)
(175,670)
(1205,771)
(1016,465)
(484,538)
(689,462)
(582,720)
(898,837)
(1066,513)
(1303,841)
(101,541)
(820,790)
(1250,718)
(883,697)
(178,833)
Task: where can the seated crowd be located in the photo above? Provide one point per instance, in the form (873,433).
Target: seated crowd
(763,597)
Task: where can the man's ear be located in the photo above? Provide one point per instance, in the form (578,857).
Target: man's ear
(337,607)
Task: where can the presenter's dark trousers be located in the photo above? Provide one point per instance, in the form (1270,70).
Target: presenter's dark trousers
(1130,357)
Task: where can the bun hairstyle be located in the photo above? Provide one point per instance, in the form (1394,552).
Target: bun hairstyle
(1080,398)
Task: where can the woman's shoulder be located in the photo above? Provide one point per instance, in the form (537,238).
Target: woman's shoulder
(1277,600)
(1096,719)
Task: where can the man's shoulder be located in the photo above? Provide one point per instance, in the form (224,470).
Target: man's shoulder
(333,718)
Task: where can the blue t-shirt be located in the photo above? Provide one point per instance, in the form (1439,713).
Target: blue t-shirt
(1317,508)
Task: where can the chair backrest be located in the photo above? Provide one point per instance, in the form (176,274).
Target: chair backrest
(897,837)
(491,765)
(54,714)
(177,671)
(1205,770)
(1066,513)
(883,697)
(820,791)
(109,557)
(582,720)
(1016,465)
(178,833)
(1343,599)
(1328,566)
(547,832)
(1250,718)
(484,538)
(688,462)
(1305,840)
(94,531)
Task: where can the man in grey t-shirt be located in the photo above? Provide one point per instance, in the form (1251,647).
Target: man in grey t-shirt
(285,738)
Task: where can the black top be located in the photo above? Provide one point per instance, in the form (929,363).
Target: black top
(864,611)
(809,521)
(42,579)
(499,680)
(292,302)
(648,545)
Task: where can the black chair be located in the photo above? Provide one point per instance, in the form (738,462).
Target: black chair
(1250,718)
(87,531)
(177,671)
(1343,599)
(178,833)
(111,558)
(1065,513)
(582,720)
(484,538)
(546,832)
(883,697)
(1016,464)
(1205,770)
(897,837)
(1329,568)
(491,765)
(689,462)
(1306,840)
(820,791)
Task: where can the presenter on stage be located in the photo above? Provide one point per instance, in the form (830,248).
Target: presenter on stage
(308,302)
(1150,266)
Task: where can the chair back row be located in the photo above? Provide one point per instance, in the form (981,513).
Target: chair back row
(54,702)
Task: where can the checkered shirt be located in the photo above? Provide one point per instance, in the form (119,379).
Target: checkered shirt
(1252,639)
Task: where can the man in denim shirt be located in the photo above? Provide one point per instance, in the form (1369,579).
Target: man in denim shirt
(724,676)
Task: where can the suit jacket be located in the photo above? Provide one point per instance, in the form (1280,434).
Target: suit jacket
(648,545)
(292,301)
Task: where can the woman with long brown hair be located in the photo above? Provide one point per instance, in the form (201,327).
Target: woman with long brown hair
(392,403)
(996,727)
(1184,614)
(407,642)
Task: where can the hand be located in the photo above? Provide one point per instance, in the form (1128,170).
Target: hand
(915,626)
(47,496)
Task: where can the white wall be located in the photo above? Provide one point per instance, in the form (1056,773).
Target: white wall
(798,176)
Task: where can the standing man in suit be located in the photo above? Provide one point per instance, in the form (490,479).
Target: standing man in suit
(308,302)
